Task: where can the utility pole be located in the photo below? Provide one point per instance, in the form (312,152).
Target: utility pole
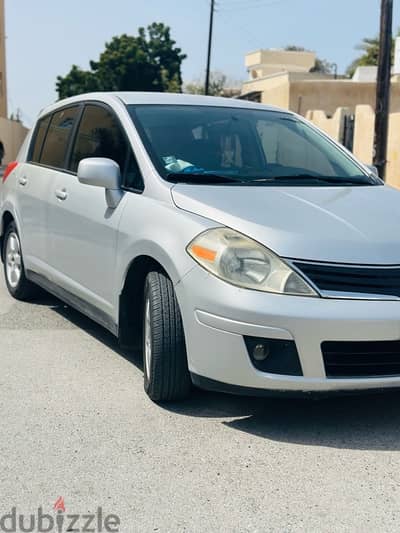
(383,87)
(210,34)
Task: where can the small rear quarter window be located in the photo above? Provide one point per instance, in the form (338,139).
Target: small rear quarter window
(38,138)
(57,137)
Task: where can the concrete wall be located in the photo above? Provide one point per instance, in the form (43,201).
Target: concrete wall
(332,126)
(292,91)
(329,95)
(393,153)
(12,135)
(364,125)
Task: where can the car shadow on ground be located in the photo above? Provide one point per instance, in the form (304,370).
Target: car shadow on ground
(364,422)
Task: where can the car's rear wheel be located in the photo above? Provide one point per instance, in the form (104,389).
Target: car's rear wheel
(166,374)
(17,284)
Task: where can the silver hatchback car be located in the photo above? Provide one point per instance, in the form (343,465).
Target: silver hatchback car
(243,249)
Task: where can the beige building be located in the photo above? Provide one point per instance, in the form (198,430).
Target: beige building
(285,79)
(12,132)
(263,63)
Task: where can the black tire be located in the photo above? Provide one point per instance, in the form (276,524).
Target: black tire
(168,378)
(24,289)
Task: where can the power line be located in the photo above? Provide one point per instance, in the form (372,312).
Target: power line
(252,38)
(250,4)
(248,35)
(235,3)
(227,9)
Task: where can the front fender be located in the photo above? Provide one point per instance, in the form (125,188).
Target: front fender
(7,207)
(159,231)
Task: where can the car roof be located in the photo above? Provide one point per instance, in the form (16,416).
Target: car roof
(154,98)
(183,99)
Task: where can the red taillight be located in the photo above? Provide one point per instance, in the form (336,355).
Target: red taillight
(10,167)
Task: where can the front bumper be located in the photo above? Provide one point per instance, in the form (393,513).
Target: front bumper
(217,316)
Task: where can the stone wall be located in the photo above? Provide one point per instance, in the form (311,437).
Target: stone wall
(12,135)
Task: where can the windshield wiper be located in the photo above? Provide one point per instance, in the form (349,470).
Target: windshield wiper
(206,178)
(200,177)
(336,180)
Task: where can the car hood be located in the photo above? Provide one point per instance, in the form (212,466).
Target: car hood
(339,224)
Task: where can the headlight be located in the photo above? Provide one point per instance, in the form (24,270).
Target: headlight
(241,261)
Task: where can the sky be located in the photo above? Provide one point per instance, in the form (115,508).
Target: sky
(45,37)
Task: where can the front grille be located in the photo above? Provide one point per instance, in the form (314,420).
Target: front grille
(367,280)
(361,358)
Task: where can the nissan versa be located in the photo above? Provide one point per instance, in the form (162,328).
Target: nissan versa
(239,245)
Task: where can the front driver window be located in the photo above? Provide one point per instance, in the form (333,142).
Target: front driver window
(99,135)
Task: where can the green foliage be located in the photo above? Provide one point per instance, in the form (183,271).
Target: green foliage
(369,57)
(323,66)
(77,81)
(216,88)
(220,85)
(148,62)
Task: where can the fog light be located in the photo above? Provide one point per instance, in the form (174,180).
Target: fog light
(260,352)
(274,356)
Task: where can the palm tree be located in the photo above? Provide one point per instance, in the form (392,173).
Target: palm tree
(370,49)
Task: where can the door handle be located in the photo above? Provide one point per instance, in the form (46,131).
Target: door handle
(22,181)
(61,194)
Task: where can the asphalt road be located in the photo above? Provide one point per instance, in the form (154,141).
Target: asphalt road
(76,423)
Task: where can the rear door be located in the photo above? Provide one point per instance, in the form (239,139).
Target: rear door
(35,184)
(83,229)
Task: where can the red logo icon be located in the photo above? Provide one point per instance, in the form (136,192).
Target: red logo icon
(59,505)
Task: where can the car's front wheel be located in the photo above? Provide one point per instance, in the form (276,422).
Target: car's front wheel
(166,374)
(17,284)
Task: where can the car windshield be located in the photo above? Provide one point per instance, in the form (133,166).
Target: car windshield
(241,146)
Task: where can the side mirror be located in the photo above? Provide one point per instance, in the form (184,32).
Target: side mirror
(99,172)
(102,172)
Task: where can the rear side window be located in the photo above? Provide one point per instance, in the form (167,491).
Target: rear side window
(57,138)
(99,135)
(37,144)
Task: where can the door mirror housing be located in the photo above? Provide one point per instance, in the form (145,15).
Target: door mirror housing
(102,172)
(99,172)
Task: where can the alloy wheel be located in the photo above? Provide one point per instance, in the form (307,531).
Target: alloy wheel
(13,260)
